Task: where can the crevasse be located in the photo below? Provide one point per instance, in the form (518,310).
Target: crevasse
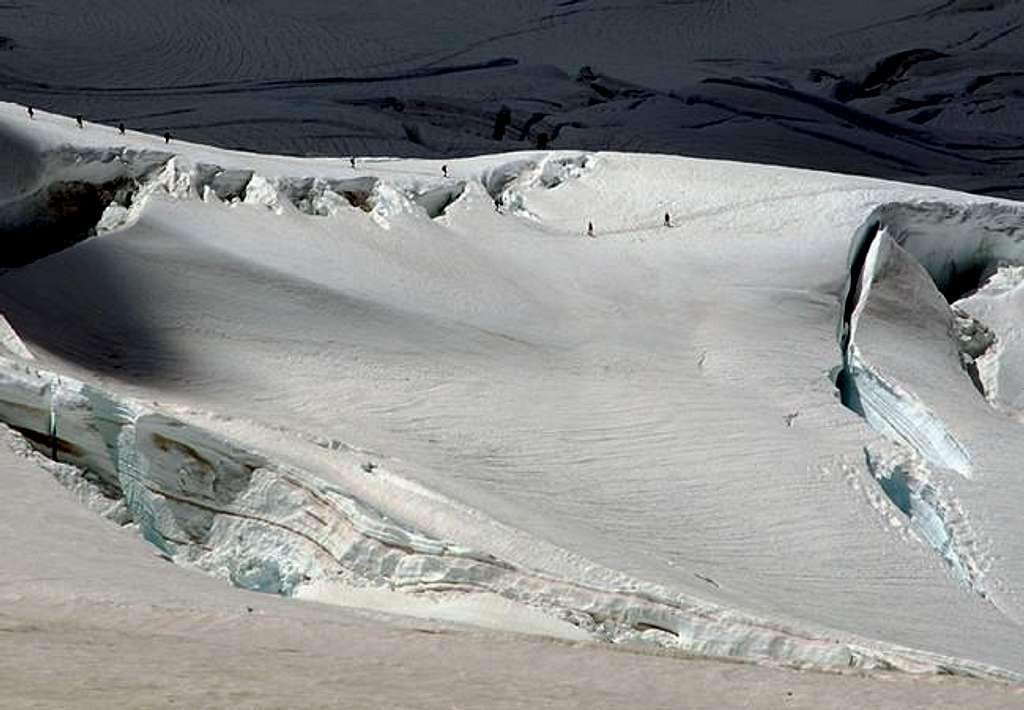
(958,247)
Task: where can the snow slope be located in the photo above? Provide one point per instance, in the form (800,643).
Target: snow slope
(90,619)
(364,384)
(920,90)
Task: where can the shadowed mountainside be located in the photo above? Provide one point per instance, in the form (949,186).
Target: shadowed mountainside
(911,90)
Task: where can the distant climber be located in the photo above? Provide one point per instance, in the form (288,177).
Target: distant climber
(167,136)
(668,220)
(31,113)
(352,162)
(590,229)
(444,170)
(78,120)
(120,128)
(501,123)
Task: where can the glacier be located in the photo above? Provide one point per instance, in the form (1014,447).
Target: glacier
(335,383)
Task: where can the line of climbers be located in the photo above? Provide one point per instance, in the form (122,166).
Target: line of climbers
(590,225)
(80,122)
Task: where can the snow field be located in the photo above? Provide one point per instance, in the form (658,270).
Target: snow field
(577,426)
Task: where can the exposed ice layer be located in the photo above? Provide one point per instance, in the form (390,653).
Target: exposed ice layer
(889,408)
(958,247)
(266,526)
(897,413)
(1000,366)
(435,201)
(224,185)
(508,184)
(978,352)
(932,513)
(973,254)
(321,198)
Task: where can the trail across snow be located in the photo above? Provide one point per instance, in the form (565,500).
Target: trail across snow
(385,387)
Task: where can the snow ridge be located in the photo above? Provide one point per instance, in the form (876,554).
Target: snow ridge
(114,185)
(86,192)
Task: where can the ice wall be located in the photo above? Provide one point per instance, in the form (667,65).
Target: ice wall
(927,256)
